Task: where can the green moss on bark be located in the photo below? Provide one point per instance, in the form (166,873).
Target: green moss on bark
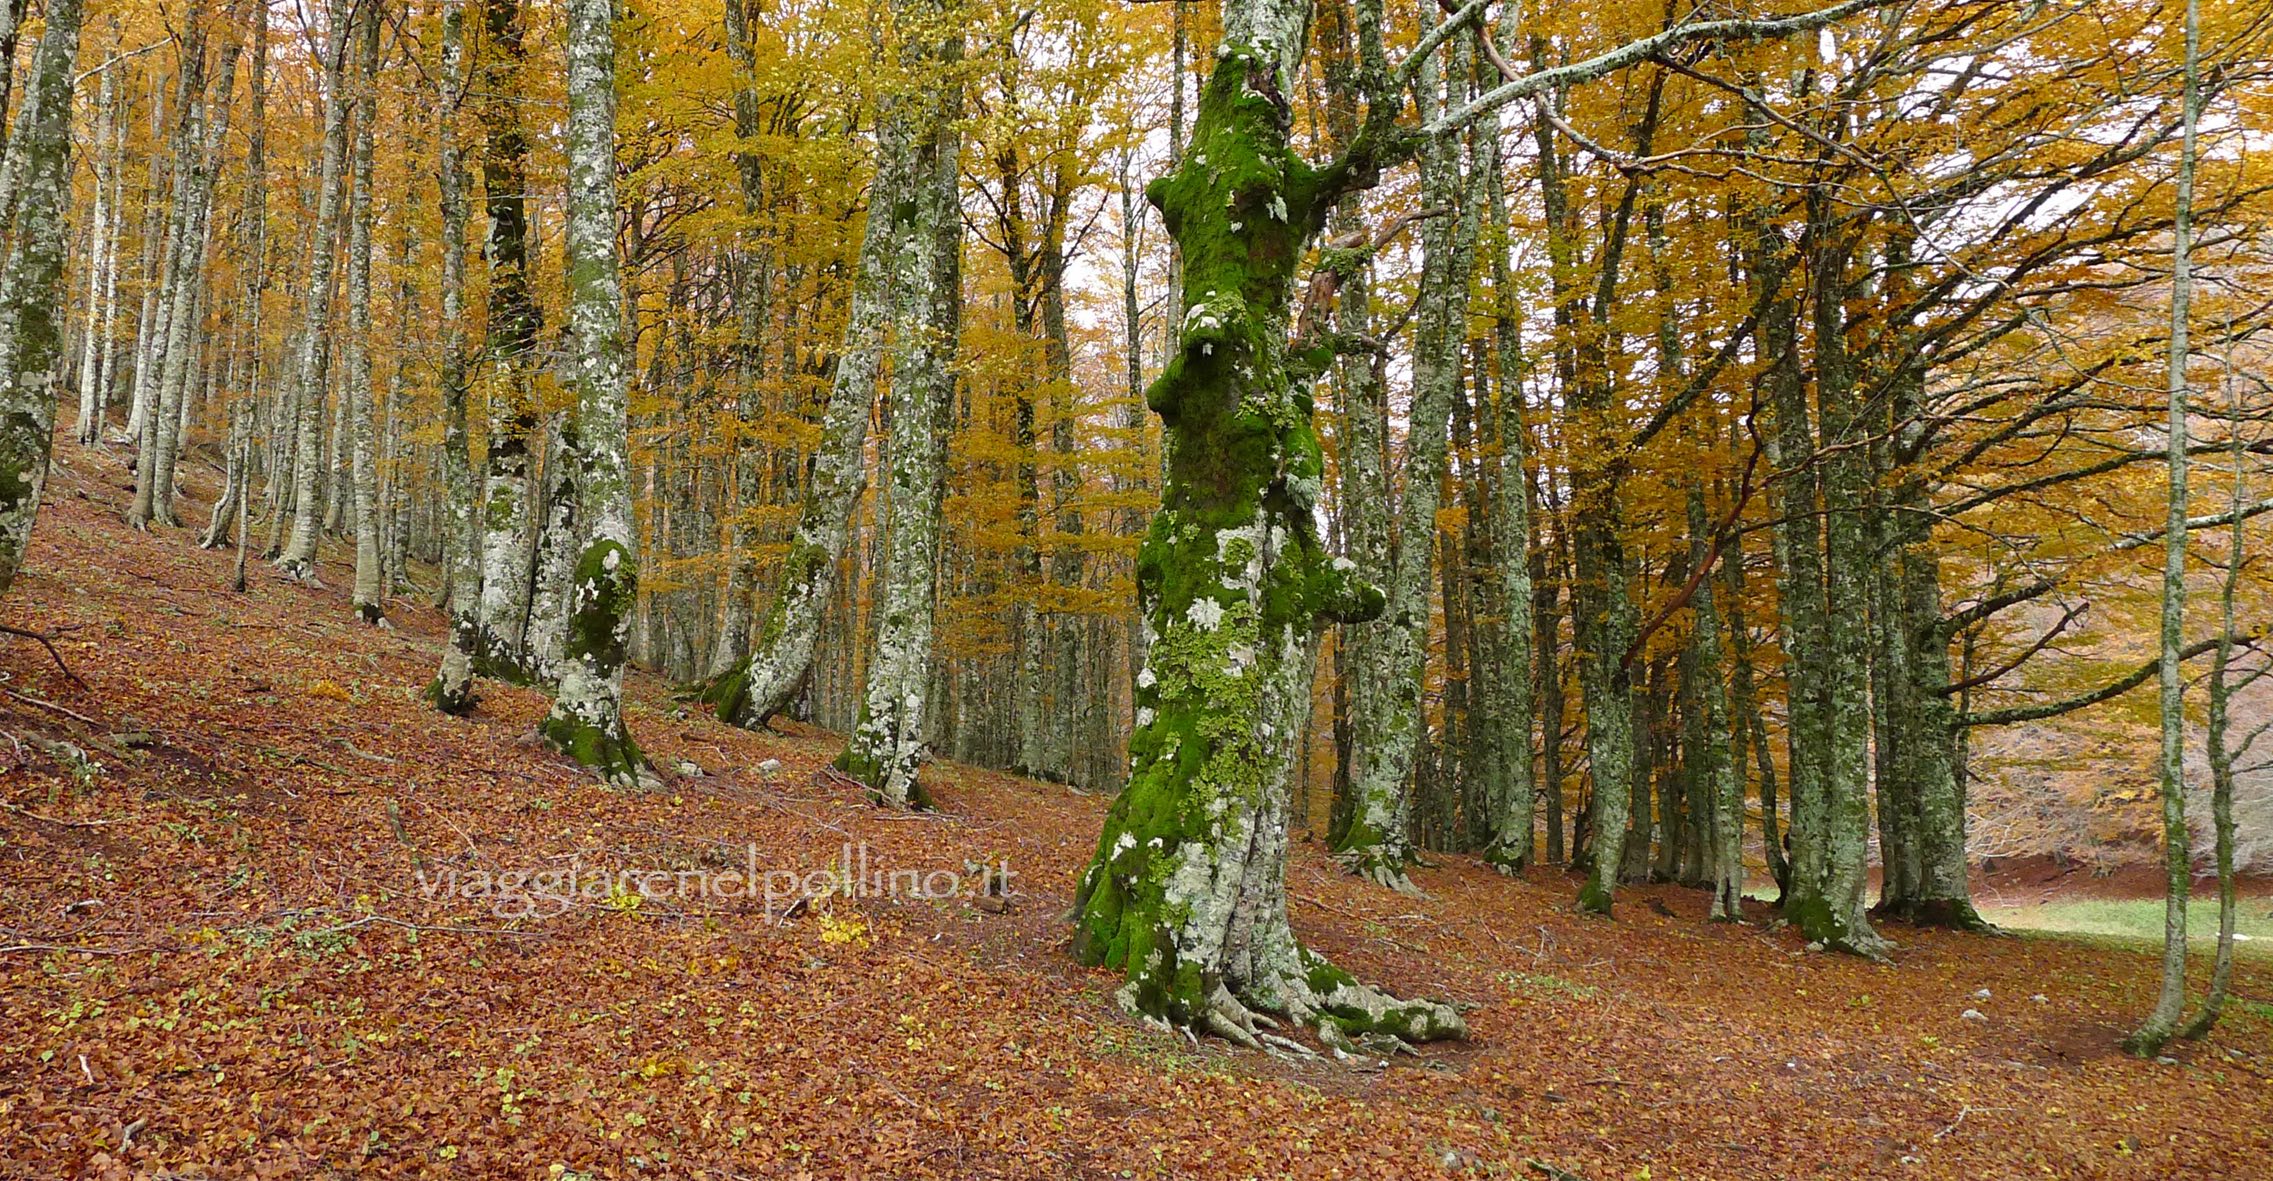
(586,722)
(1185,893)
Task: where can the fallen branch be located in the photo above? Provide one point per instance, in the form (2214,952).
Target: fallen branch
(67,947)
(47,641)
(64,823)
(28,699)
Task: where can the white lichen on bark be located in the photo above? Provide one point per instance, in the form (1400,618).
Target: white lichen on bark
(887,745)
(586,720)
(31,347)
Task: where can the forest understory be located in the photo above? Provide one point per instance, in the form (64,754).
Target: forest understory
(216,959)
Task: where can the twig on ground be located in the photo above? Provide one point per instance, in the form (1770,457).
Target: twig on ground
(47,641)
(65,823)
(28,699)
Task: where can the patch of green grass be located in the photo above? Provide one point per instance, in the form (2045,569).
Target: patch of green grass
(2140,921)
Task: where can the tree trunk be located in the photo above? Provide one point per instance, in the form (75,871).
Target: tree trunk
(1186,893)
(1508,710)
(150,260)
(753,298)
(1713,770)
(1831,832)
(2178,865)
(452,688)
(782,657)
(369,592)
(887,745)
(173,327)
(299,556)
(245,398)
(507,530)
(102,260)
(1388,725)
(2217,740)
(31,346)
(586,720)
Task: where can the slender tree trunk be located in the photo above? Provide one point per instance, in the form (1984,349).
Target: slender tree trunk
(782,657)
(1800,598)
(172,329)
(369,593)
(102,260)
(508,539)
(1712,765)
(1389,725)
(2220,749)
(753,298)
(394,464)
(452,690)
(150,260)
(1508,712)
(887,744)
(107,373)
(1548,668)
(299,556)
(1750,736)
(2178,845)
(558,548)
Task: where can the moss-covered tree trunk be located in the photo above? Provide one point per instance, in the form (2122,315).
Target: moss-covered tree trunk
(781,656)
(1831,825)
(507,525)
(1925,880)
(1186,894)
(586,720)
(887,745)
(1509,703)
(1387,722)
(452,690)
(31,344)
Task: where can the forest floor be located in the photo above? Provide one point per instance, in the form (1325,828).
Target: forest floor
(238,938)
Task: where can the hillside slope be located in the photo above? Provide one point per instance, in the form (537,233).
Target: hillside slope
(236,939)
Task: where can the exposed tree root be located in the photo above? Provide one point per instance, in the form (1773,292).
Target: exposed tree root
(1953,914)
(1507,861)
(1349,1017)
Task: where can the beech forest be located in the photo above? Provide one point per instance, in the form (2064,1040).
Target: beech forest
(1136,588)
